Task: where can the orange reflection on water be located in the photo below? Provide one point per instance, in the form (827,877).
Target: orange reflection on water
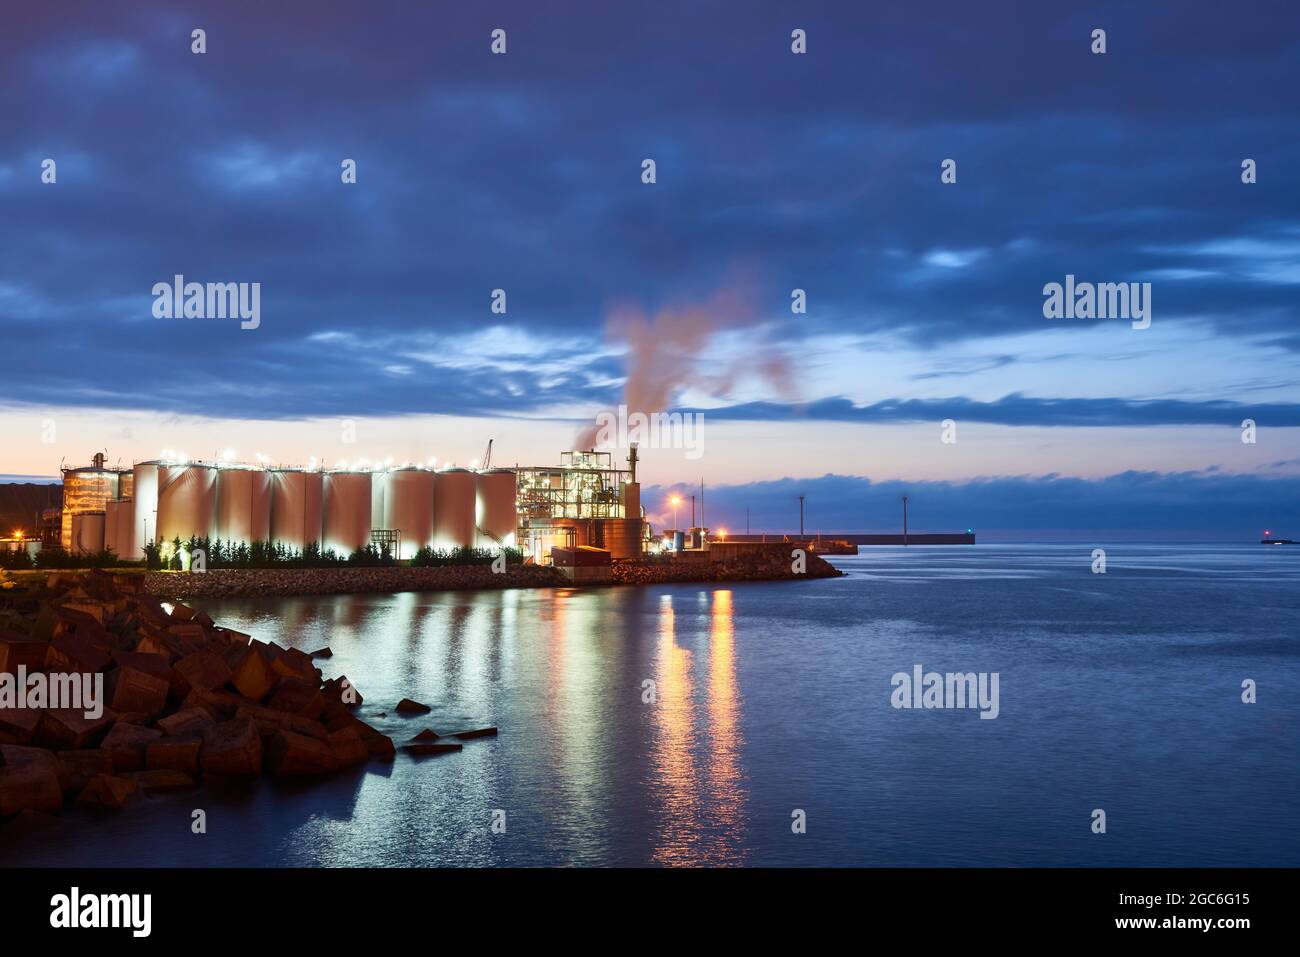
(674,760)
(728,798)
(696,756)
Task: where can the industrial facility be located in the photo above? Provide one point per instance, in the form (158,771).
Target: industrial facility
(584,501)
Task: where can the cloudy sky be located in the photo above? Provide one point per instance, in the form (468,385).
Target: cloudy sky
(775,171)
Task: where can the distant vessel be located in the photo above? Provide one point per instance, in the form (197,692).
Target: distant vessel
(1268,539)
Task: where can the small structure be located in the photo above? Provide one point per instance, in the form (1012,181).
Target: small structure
(583,564)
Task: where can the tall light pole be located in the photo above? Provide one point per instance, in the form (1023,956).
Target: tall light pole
(801,516)
(904,519)
(676,501)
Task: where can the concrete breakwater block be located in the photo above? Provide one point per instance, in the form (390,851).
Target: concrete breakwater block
(160,781)
(480,733)
(407,706)
(428,748)
(109,792)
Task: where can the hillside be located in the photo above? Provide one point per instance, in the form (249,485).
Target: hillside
(21,503)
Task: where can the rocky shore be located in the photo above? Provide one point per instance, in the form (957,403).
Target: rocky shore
(157,699)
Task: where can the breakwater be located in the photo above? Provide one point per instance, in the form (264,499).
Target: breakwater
(285,582)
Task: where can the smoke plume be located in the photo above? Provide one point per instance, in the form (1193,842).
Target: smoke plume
(664,351)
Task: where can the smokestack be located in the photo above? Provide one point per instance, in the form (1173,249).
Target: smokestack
(631,461)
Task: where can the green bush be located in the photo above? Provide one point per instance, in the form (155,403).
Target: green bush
(461,555)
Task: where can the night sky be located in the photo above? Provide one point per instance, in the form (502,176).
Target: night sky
(775,171)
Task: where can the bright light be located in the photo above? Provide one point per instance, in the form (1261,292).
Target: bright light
(675,500)
(722,534)
(228,455)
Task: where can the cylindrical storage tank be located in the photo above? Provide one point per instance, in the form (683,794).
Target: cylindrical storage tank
(347,511)
(453,508)
(187,502)
(85,490)
(408,501)
(631,499)
(144,520)
(494,508)
(379,500)
(297,507)
(111,544)
(125,528)
(623,537)
(87,533)
(243,505)
(125,484)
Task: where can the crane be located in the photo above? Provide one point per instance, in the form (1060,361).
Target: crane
(487,457)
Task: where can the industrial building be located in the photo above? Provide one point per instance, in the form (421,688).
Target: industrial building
(584,501)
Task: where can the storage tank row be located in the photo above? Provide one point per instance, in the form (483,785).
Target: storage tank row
(338,509)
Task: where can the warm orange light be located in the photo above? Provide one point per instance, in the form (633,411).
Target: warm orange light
(19,534)
(722,534)
(675,500)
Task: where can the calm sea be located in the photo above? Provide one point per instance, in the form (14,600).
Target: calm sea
(1119,692)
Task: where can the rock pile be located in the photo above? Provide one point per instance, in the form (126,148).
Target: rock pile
(182,699)
(231,582)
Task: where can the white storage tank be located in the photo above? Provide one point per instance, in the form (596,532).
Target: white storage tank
(378,499)
(111,511)
(187,502)
(243,505)
(347,511)
(87,533)
(125,528)
(144,520)
(297,512)
(494,508)
(409,507)
(453,508)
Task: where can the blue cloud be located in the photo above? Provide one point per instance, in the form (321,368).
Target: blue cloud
(521,172)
